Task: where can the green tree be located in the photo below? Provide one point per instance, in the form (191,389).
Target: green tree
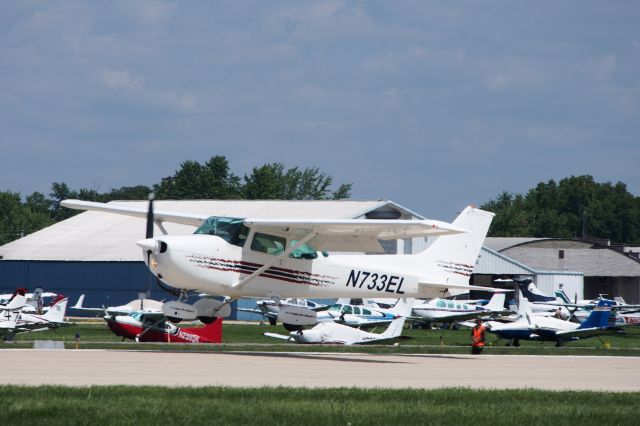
(213,180)
(273,181)
(576,206)
(61,191)
(18,219)
(139,192)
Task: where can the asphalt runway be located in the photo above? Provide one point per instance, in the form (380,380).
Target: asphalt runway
(255,369)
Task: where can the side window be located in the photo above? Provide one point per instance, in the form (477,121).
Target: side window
(366,311)
(268,243)
(441,304)
(346,309)
(356,310)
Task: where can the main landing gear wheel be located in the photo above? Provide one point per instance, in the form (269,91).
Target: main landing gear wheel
(272,321)
(207,320)
(293,327)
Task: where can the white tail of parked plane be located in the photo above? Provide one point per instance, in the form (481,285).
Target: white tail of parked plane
(57,311)
(496,303)
(403,310)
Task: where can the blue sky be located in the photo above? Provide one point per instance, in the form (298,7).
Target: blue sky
(434,105)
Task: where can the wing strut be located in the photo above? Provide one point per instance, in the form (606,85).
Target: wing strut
(273,261)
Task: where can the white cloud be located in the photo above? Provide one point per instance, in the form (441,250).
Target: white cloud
(134,87)
(120,79)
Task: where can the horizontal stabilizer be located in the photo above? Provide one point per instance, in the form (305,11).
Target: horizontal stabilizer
(277,336)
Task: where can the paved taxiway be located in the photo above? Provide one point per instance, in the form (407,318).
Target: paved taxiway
(109,367)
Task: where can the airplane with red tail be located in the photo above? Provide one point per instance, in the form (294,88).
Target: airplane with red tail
(145,327)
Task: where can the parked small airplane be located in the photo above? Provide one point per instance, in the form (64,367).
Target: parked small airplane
(238,257)
(530,327)
(35,300)
(150,327)
(15,321)
(541,303)
(443,310)
(137,305)
(355,315)
(53,318)
(622,312)
(332,332)
(270,309)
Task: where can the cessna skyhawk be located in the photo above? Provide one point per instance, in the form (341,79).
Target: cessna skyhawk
(279,258)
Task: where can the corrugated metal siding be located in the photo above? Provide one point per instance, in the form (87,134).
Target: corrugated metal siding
(572,284)
(493,263)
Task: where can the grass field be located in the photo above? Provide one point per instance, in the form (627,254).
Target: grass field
(248,337)
(124,405)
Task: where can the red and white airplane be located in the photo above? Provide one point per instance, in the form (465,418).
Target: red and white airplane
(273,258)
(147,327)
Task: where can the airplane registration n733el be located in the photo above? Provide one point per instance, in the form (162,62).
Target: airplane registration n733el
(280,258)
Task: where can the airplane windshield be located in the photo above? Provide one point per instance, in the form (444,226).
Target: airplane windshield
(230,229)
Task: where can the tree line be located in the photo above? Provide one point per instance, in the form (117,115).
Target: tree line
(574,207)
(211,180)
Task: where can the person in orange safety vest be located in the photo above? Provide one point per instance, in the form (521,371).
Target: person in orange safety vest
(477,338)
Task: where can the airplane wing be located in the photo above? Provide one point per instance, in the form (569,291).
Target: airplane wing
(444,286)
(258,312)
(353,234)
(590,332)
(159,215)
(337,235)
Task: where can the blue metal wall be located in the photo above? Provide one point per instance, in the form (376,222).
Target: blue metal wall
(102,283)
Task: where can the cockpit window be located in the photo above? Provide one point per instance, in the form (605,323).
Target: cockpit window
(230,229)
(270,244)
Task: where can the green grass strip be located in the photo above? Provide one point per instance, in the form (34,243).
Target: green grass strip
(125,405)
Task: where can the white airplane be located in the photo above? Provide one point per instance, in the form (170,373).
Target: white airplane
(334,333)
(279,258)
(138,305)
(16,321)
(53,318)
(443,310)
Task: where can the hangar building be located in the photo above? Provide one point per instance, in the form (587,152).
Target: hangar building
(554,261)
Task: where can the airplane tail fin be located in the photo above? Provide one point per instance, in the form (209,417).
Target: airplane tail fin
(524,306)
(496,303)
(562,296)
(452,258)
(403,310)
(599,317)
(210,333)
(57,311)
(79,303)
(15,303)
